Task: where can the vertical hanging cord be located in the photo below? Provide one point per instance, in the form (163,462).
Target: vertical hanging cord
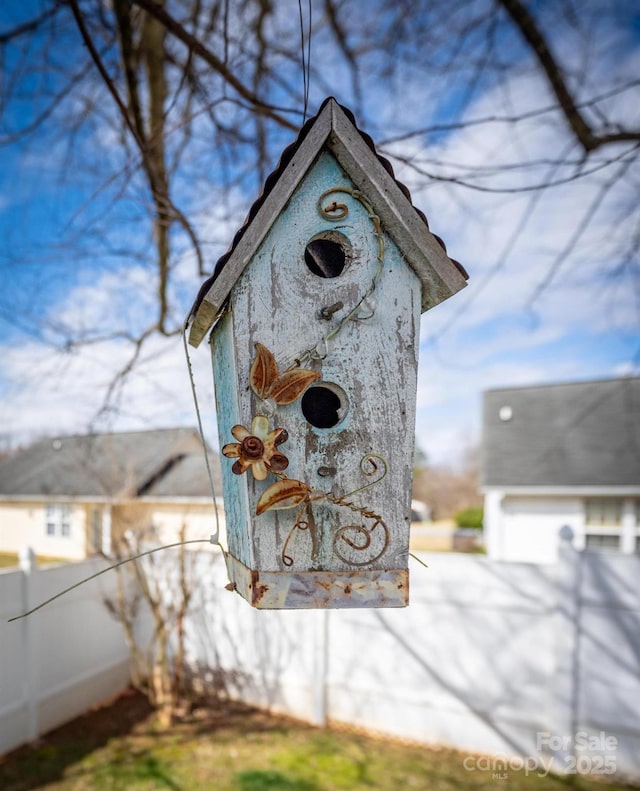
(306,98)
(304,64)
(306,58)
(215,538)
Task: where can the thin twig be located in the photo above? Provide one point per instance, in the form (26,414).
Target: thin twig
(196,46)
(588,138)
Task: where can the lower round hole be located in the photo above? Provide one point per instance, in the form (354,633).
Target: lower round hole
(324,405)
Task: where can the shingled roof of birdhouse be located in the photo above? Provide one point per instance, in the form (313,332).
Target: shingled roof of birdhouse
(334,129)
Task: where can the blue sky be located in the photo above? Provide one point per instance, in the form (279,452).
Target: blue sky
(77,255)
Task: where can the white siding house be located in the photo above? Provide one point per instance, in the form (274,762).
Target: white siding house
(68,497)
(556,455)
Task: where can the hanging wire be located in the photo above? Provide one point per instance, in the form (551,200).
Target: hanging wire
(306,100)
(418,560)
(304,64)
(104,571)
(305,57)
(215,538)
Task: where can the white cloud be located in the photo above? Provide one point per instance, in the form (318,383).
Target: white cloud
(488,335)
(53,392)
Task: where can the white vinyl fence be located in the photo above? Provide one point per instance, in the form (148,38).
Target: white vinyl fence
(506,659)
(509,659)
(62,660)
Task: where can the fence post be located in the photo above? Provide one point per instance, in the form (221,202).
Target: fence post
(320,667)
(27,563)
(561,744)
(106,530)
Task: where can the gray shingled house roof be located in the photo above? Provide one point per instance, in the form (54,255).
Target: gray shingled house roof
(584,434)
(162,463)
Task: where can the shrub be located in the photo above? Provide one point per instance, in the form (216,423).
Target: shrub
(470,517)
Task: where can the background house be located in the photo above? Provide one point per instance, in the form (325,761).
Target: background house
(68,496)
(566,454)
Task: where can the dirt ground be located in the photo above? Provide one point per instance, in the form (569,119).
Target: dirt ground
(128,715)
(228,746)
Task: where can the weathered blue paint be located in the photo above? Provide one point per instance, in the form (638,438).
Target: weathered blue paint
(276,302)
(236,505)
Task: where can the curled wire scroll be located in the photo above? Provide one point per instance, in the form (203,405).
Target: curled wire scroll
(300,524)
(348,534)
(338,211)
(370,465)
(358,537)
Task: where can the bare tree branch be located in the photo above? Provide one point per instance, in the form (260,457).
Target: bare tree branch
(588,138)
(150,142)
(29,27)
(466,123)
(579,230)
(196,46)
(204,94)
(627,156)
(347,51)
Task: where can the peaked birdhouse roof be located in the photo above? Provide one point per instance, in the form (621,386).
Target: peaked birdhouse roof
(333,129)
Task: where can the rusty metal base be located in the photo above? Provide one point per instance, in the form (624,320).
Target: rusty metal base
(298,590)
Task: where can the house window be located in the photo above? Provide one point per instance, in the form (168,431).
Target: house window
(58,520)
(605,512)
(603,523)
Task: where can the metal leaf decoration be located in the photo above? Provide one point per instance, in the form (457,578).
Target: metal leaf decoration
(267,382)
(264,371)
(286,493)
(291,385)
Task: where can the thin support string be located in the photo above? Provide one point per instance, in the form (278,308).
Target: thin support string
(306,98)
(104,571)
(421,562)
(215,538)
(306,58)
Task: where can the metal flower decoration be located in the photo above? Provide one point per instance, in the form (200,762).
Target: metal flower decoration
(257,449)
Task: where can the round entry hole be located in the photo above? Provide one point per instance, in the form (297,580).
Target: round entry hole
(325,256)
(324,405)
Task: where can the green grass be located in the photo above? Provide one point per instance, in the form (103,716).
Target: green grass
(232,748)
(9,559)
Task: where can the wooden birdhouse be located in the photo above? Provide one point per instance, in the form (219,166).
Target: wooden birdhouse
(314,315)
